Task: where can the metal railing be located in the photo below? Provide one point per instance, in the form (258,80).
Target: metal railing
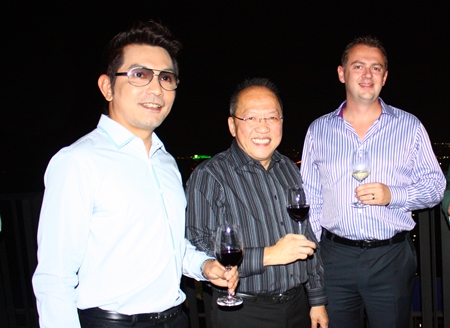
(20,214)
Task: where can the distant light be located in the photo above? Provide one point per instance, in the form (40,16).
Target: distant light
(197,157)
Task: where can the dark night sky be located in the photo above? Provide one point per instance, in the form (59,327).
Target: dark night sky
(51,56)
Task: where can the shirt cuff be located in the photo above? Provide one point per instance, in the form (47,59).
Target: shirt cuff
(399,195)
(317,296)
(201,267)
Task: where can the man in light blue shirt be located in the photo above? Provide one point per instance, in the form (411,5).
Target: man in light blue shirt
(369,259)
(111,246)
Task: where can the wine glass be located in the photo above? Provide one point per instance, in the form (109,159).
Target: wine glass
(229,251)
(360,170)
(296,205)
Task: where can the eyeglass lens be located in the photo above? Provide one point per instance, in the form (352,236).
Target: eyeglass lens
(142,76)
(253,121)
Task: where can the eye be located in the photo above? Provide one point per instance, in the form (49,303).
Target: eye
(167,77)
(358,66)
(272,119)
(251,119)
(140,74)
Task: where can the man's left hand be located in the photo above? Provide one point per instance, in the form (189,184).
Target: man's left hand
(319,317)
(219,276)
(374,194)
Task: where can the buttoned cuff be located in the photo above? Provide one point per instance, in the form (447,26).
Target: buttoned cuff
(399,195)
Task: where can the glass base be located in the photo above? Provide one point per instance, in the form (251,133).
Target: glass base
(229,301)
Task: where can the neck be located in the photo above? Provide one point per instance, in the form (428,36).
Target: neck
(361,116)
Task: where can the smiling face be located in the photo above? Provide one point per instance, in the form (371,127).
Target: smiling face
(364,74)
(259,141)
(139,109)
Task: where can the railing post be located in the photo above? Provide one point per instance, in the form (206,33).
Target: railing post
(425,272)
(445,242)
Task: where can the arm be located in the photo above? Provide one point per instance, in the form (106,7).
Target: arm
(315,285)
(62,241)
(312,185)
(427,180)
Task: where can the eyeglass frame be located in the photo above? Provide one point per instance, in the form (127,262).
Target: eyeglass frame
(246,119)
(127,74)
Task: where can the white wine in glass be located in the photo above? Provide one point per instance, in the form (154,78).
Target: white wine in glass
(360,170)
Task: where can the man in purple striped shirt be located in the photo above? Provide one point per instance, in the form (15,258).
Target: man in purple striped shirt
(369,259)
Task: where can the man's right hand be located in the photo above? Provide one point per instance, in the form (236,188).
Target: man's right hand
(288,249)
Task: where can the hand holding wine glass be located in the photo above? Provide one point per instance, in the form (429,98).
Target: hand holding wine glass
(229,251)
(297,206)
(360,170)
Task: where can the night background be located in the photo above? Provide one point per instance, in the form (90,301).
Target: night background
(52,54)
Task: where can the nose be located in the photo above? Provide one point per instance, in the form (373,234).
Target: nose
(263,126)
(154,87)
(367,72)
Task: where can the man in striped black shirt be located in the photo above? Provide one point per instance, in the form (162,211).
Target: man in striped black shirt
(281,276)
(369,259)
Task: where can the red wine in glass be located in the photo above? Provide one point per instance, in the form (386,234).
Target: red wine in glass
(229,257)
(296,205)
(229,252)
(298,213)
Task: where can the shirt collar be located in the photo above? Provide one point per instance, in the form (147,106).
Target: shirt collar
(385,109)
(121,136)
(243,159)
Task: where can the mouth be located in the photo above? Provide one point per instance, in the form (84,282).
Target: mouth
(258,141)
(151,105)
(366,85)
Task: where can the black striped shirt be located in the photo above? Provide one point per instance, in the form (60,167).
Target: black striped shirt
(233,187)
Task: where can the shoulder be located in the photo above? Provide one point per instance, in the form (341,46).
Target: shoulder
(80,153)
(325,121)
(402,114)
(404,122)
(86,144)
(288,165)
(212,169)
(216,163)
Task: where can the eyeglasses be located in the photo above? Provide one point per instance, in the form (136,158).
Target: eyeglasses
(254,121)
(141,76)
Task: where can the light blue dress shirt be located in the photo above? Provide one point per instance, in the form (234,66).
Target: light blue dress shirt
(111,230)
(401,158)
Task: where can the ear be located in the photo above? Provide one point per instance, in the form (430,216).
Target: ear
(341,76)
(385,77)
(231,126)
(104,85)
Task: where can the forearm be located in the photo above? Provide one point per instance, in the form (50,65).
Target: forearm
(56,304)
(193,261)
